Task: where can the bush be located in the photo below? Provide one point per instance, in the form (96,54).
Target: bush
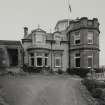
(31,69)
(100,84)
(11,73)
(97,92)
(60,71)
(25,67)
(96,89)
(68,71)
(101,102)
(82,72)
(90,84)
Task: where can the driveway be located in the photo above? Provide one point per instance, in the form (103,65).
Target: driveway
(42,90)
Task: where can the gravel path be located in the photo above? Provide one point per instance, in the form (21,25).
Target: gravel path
(42,90)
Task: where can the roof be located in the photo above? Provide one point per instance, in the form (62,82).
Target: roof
(63,20)
(10,42)
(38,30)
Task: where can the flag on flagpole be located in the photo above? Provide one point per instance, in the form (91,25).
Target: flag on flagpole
(70,8)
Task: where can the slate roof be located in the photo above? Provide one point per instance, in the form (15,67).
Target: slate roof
(10,42)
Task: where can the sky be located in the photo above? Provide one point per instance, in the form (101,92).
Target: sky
(16,14)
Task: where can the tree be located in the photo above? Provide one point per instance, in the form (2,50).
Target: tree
(3,63)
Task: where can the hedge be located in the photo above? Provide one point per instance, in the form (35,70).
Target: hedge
(82,72)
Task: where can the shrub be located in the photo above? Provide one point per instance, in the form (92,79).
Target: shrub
(11,73)
(90,84)
(96,89)
(97,92)
(82,72)
(101,102)
(25,67)
(30,69)
(100,84)
(60,71)
(37,69)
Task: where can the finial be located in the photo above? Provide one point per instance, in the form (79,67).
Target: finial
(38,26)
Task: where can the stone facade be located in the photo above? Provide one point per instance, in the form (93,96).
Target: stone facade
(73,46)
(84,40)
(46,49)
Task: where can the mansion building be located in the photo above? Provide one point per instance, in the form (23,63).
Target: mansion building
(73,46)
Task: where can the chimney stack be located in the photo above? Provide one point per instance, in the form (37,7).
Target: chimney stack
(25,31)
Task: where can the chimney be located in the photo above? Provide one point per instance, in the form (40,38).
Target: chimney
(25,31)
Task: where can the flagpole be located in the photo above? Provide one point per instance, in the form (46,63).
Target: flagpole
(69,10)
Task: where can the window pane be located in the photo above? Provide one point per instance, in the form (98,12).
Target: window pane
(77,38)
(90,37)
(77,55)
(77,41)
(39,38)
(39,61)
(32,61)
(77,62)
(46,61)
(58,61)
(46,55)
(89,61)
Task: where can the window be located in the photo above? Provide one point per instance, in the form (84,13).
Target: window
(39,59)
(39,38)
(57,61)
(77,38)
(32,59)
(90,38)
(57,38)
(46,59)
(90,61)
(77,60)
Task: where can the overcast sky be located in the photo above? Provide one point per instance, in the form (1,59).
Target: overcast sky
(15,14)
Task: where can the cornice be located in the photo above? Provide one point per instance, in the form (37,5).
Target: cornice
(80,28)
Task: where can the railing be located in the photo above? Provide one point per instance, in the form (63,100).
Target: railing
(100,76)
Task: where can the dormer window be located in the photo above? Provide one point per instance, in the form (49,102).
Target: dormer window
(39,39)
(57,38)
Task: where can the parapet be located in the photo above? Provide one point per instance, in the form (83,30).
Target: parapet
(83,23)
